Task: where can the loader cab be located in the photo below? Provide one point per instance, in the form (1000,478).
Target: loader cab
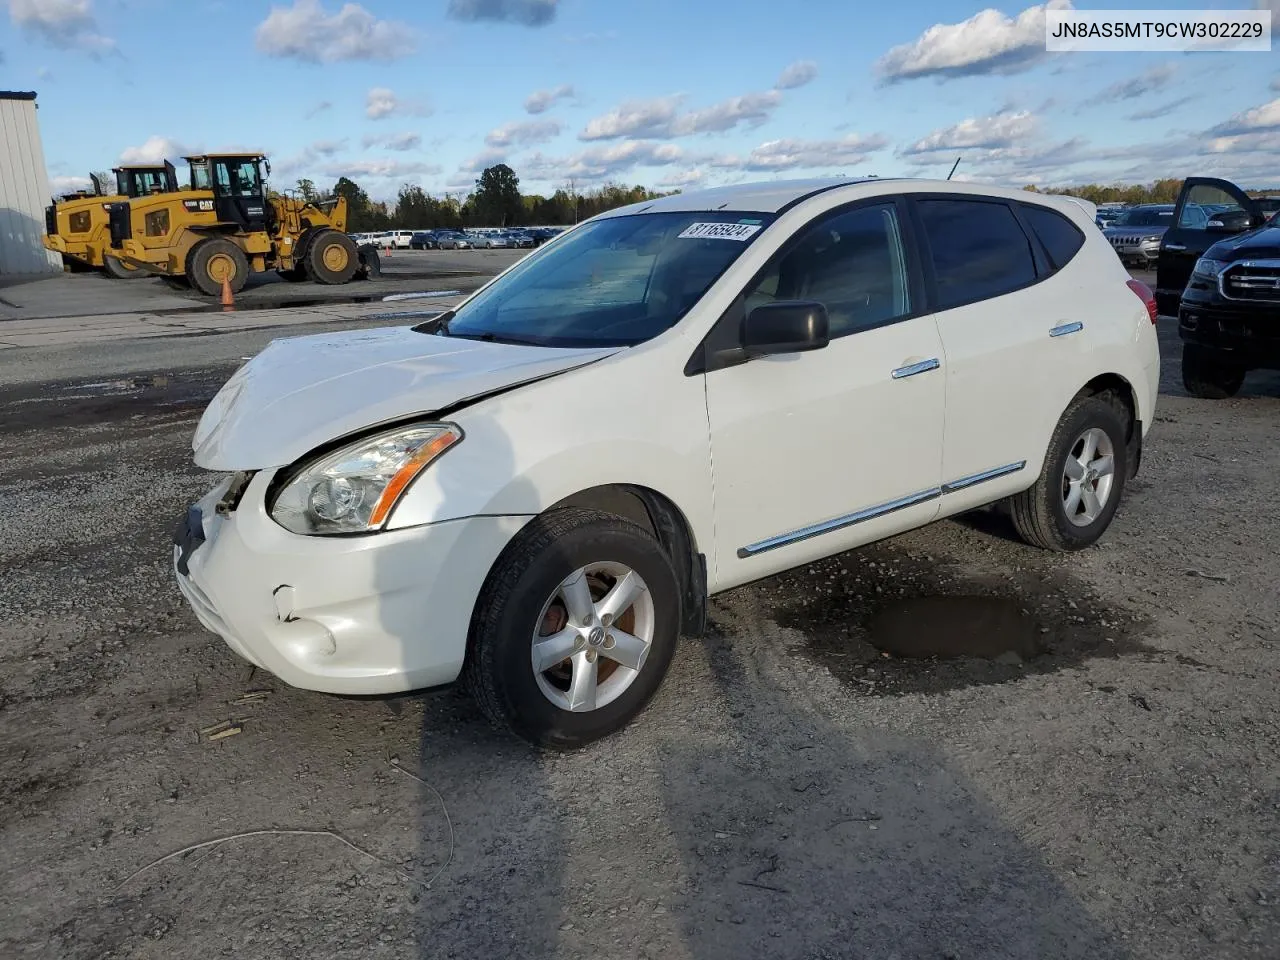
(143,180)
(238,186)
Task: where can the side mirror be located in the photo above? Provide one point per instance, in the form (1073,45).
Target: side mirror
(787,326)
(1225,226)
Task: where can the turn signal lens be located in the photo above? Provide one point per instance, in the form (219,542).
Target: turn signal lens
(1146,296)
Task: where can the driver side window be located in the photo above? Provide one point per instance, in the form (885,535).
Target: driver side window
(852,263)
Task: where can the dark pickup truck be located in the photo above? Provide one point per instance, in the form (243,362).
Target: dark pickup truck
(1221,278)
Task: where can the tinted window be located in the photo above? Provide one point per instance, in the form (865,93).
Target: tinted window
(851,263)
(978,250)
(1058,234)
(1146,217)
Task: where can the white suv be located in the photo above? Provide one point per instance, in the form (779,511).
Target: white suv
(537,491)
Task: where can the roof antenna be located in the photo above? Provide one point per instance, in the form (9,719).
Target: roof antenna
(953,167)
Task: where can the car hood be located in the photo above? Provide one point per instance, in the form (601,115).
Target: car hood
(1132,233)
(1260,244)
(303,392)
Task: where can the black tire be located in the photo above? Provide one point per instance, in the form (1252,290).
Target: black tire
(294,274)
(207,261)
(117,269)
(1040,513)
(499,672)
(1208,378)
(331,258)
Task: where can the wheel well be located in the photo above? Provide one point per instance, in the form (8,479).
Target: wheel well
(1120,388)
(1115,384)
(656,513)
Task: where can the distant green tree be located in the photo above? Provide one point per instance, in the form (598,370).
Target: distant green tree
(307,190)
(496,200)
(363,215)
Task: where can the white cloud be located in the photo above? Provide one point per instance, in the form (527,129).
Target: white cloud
(1265,117)
(394,141)
(61,185)
(660,117)
(382,168)
(307,32)
(601,163)
(157,149)
(44,73)
(319,108)
(1149,81)
(988,42)
(381,103)
(683,179)
(527,13)
(483,159)
(62,23)
(996,132)
(797,75)
(790,154)
(540,101)
(520,134)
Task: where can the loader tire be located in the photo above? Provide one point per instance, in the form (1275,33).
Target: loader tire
(119,270)
(214,259)
(331,258)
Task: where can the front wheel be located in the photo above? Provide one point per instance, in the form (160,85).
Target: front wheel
(331,258)
(117,269)
(214,260)
(1208,378)
(1080,485)
(574,629)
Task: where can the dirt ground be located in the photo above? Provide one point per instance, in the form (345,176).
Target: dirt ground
(1108,787)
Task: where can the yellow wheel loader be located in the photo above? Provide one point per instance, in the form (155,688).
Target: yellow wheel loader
(76,225)
(226,226)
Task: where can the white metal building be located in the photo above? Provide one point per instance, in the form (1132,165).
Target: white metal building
(24,190)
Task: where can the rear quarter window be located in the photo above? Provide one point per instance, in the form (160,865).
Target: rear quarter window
(1060,237)
(978,249)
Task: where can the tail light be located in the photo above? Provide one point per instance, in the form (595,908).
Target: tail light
(1144,294)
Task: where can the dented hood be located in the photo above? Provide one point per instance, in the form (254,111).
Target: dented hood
(302,392)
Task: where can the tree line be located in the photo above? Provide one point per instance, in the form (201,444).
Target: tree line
(495,201)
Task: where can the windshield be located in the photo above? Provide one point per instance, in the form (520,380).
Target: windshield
(1150,217)
(613,282)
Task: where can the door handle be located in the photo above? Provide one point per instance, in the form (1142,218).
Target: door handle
(911,369)
(1064,329)
(1176,247)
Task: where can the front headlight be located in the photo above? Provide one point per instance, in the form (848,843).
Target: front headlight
(1207,268)
(353,489)
(1155,239)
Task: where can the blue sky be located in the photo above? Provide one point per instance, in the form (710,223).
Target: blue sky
(668,93)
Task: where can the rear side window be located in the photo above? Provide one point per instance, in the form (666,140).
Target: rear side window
(978,249)
(1059,235)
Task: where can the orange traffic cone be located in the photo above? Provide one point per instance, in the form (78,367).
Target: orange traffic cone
(228,298)
(388,253)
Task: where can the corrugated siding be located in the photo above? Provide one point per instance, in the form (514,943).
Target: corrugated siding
(24,192)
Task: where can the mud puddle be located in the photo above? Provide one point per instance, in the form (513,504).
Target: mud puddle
(892,619)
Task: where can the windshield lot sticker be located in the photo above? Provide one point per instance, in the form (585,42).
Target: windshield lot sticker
(719,231)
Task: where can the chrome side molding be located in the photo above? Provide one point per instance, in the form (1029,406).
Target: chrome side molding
(871,513)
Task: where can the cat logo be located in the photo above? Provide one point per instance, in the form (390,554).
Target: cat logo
(204,206)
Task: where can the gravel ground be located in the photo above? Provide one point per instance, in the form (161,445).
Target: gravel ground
(1107,786)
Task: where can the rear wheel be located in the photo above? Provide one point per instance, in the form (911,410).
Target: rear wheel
(1208,378)
(574,629)
(1082,480)
(331,258)
(118,270)
(214,260)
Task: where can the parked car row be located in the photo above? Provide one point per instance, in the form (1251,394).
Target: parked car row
(458,239)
